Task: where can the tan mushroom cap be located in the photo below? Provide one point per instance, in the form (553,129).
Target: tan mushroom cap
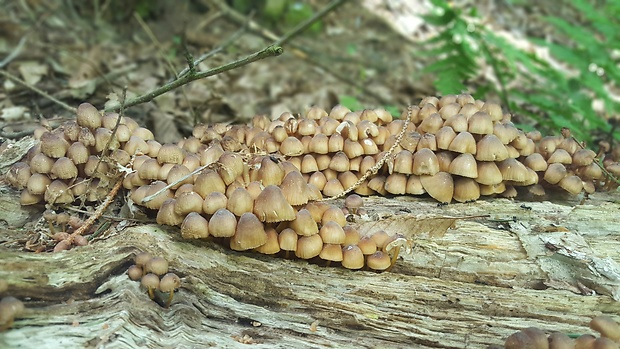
(222,223)
(331,252)
(333,187)
(287,239)
(555,173)
(439,186)
(379,261)
(396,184)
(466,189)
(352,257)
(332,233)
(188,202)
(213,202)
(250,233)
(334,213)
(491,148)
(513,170)
(425,162)
(272,246)
(194,226)
(464,165)
(294,188)
(367,245)
(488,173)
(58,192)
(536,162)
(291,146)
(464,142)
(304,224)
(64,168)
(271,206)
(606,326)
(166,215)
(239,202)
(309,246)
(208,182)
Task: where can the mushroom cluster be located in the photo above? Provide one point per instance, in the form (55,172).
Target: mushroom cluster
(153,274)
(259,187)
(535,338)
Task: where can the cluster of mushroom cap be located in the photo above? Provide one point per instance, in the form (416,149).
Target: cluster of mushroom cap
(78,159)
(153,274)
(535,338)
(250,186)
(10,308)
(61,225)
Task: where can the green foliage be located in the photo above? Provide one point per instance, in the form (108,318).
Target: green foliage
(284,14)
(554,93)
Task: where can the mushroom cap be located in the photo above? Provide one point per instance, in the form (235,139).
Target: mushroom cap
(466,189)
(150,281)
(134,272)
(464,165)
(142,258)
(513,170)
(352,257)
(309,246)
(480,123)
(222,223)
(555,173)
(560,156)
(270,172)
(304,224)
(491,148)
(250,233)
(396,184)
(166,215)
(294,189)
(157,266)
(353,202)
(270,206)
(331,252)
(425,162)
(88,116)
(169,282)
(194,226)
(287,239)
(332,233)
(464,142)
(291,146)
(334,213)
(488,173)
(214,202)
(240,201)
(272,246)
(208,182)
(367,245)
(379,261)
(536,162)
(439,186)
(606,326)
(58,192)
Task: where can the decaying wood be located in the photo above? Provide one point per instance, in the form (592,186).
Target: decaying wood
(468,288)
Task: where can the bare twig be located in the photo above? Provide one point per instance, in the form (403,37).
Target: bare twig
(37,90)
(269,51)
(14,53)
(102,207)
(373,170)
(151,197)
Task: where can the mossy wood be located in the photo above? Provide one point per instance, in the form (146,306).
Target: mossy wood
(469,287)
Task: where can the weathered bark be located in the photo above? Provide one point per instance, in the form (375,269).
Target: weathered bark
(482,280)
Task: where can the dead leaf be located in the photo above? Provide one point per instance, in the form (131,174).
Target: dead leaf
(32,72)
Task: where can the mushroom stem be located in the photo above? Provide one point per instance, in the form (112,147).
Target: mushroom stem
(151,293)
(394,257)
(170,296)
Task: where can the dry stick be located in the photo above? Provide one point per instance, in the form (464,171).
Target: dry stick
(37,90)
(151,197)
(102,207)
(269,51)
(373,170)
(598,163)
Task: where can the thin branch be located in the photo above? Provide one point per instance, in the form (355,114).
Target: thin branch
(14,53)
(269,51)
(37,90)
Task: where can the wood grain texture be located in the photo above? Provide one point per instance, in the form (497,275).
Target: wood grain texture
(468,288)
